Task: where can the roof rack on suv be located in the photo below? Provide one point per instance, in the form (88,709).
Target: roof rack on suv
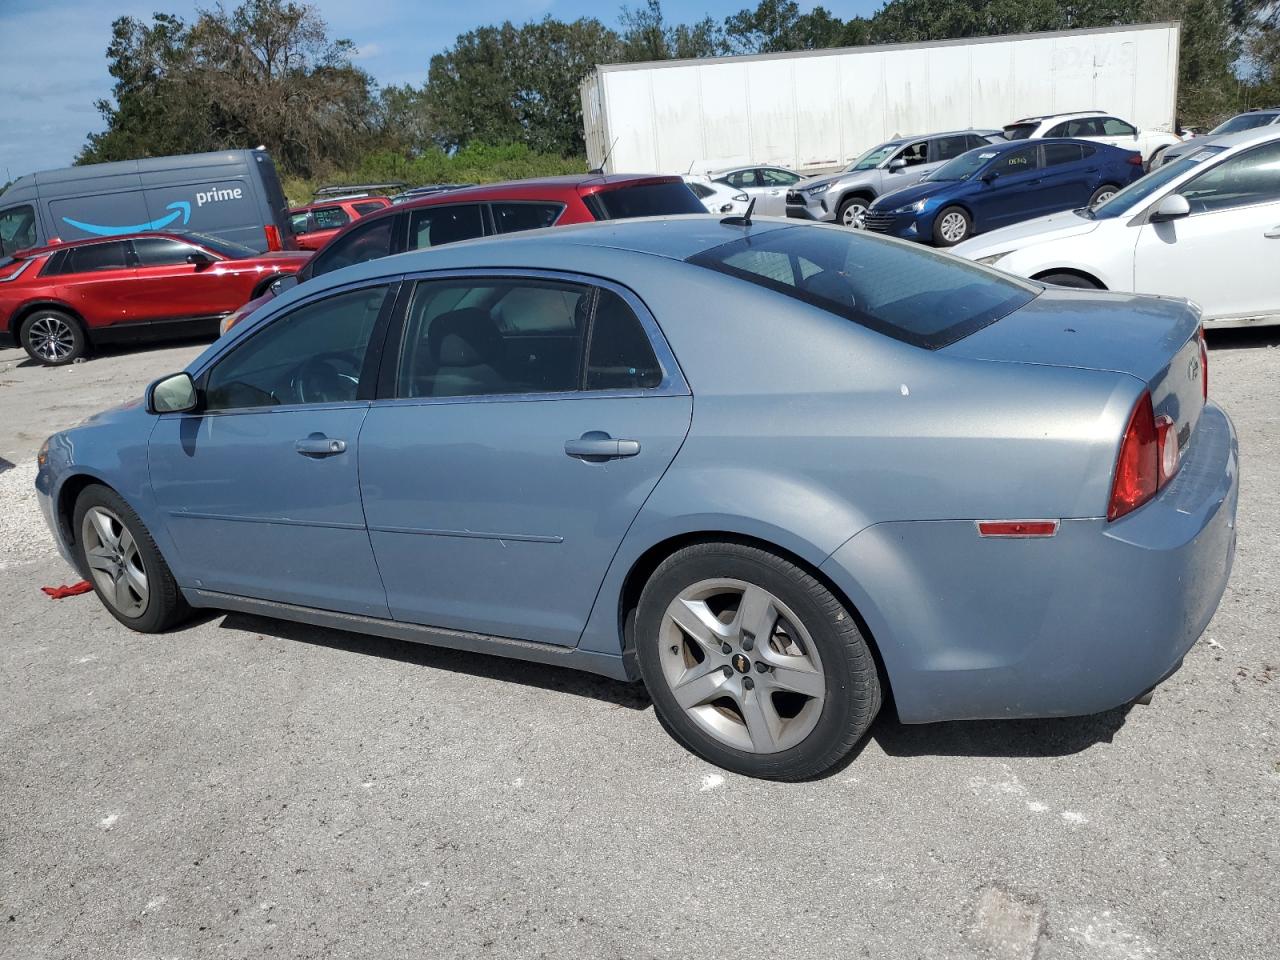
(1060,113)
(356,189)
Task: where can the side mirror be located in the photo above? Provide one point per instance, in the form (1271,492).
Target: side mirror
(175,393)
(1172,207)
(897,165)
(199,258)
(281,284)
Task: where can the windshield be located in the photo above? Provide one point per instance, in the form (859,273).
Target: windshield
(1246,121)
(1020,131)
(1140,190)
(227,248)
(873,157)
(964,166)
(901,290)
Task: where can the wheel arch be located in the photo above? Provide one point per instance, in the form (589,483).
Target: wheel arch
(1071,271)
(64,504)
(865,191)
(24,311)
(643,566)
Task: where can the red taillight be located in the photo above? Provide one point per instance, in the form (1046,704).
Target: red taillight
(1138,466)
(1204,366)
(273,237)
(1135,159)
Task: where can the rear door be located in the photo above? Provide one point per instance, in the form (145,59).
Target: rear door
(501,471)
(95,281)
(1069,180)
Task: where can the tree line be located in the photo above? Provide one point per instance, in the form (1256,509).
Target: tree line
(267,72)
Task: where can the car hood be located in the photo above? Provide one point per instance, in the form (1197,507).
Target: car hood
(1093,330)
(1007,239)
(121,412)
(917,191)
(811,182)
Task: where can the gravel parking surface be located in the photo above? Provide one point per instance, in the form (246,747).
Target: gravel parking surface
(251,788)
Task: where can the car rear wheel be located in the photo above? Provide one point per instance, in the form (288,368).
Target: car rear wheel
(124,565)
(752,663)
(951,226)
(851,211)
(1103,194)
(1073,280)
(53,338)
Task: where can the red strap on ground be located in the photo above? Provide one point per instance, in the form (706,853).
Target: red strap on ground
(68,590)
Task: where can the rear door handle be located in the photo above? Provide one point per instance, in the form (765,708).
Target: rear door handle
(320,446)
(596,446)
(1273,233)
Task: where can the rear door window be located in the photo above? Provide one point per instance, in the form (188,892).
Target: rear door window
(98,256)
(620,356)
(436,226)
(903,291)
(161,252)
(643,200)
(1016,161)
(514,217)
(1056,154)
(947,148)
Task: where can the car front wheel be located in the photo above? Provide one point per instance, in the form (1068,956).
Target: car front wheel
(753,664)
(852,211)
(952,226)
(1103,194)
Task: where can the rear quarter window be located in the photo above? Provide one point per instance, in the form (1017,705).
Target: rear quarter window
(903,291)
(643,200)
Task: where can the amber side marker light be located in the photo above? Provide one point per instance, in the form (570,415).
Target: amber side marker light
(1017,528)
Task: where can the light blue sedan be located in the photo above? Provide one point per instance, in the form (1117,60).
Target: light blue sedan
(779,472)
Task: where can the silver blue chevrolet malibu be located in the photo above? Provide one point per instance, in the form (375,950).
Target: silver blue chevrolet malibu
(781,473)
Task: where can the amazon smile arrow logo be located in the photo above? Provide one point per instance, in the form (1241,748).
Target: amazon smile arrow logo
(180,208)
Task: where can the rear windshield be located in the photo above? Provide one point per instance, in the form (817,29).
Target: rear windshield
(1246,121)
(643,200)
(904,291)
(1020,131)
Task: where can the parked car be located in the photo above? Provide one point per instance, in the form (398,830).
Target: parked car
(59,302)
(719,198)
(1096,126)
(845,196)
(482,211)
(316,223)
(1002,184)
(1241,122)
(769,465)
(232,195)
(766,185)
(1206,227)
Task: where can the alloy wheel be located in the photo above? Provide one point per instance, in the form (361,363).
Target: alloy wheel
(1103,197)
(51,338)
(854,215)
(114,561)
(742,666)
(953,227)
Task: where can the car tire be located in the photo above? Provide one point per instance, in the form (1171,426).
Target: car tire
(124,565)
(1073,280)
(952,225)
(1103,193)
(852,210)
(787,700)
(53,338)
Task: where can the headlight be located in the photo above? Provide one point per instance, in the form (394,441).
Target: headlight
(911,207)
(43,456)
(988,261)
(741,197)
(814,191)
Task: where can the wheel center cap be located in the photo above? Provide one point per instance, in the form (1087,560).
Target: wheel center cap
(741,663)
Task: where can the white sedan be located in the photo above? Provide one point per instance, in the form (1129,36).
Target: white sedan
(718,198)
(1205,227)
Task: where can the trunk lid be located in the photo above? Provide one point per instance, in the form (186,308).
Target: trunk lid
(1154,339)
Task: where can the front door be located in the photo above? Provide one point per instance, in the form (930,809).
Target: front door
(259,489)
(1233,232)
(1011,194)
(166,286)
(502,475)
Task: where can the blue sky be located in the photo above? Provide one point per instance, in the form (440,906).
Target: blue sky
(55,63)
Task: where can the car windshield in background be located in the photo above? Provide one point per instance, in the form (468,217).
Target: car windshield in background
(1246,121)
(1020,131)
(643,200)
(1140,190)
(964,166)
(901,290)
(227,248)
(873,157)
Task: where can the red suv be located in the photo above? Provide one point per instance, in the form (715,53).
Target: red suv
(57,301)
(315,224)
(494,208)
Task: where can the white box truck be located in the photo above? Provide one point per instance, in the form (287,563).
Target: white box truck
(814,110)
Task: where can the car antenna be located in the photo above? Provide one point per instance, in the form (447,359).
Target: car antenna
(599,171)
(742,221)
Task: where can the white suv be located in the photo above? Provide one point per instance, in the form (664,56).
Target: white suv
(1093,125)
(1205,227)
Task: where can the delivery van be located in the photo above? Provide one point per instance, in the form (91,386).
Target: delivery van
(234,195)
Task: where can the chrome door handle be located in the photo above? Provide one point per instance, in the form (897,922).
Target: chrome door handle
(1273,233)
(595,446)
(320,447)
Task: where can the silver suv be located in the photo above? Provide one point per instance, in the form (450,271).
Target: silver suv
(845,196)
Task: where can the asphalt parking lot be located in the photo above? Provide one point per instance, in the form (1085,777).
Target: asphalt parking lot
(250,788)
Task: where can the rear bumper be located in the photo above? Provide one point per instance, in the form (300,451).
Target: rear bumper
(1082,622)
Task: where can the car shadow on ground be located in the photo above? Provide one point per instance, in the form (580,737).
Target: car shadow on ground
(108,351)
(542,676)
(1242,338)
(1054,737)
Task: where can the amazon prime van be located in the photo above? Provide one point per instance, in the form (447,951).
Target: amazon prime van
(234,195)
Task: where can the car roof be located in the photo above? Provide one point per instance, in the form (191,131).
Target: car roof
(1060,116)
(541,188)
(339,201)
(1246,138)
(90,241)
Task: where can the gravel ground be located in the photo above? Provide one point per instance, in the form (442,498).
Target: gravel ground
(245,787)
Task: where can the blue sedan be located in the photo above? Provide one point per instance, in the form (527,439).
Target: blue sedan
(1003,184)
(778,472)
